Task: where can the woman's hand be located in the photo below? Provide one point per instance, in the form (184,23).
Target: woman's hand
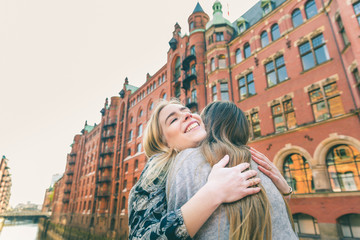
(269,169)
(231,184)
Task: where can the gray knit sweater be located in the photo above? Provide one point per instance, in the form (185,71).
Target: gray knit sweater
(190,173)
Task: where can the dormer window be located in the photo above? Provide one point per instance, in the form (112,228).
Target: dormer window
(242,28)
(267,6)
(266,9)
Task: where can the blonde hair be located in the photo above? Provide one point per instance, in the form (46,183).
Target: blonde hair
(155,147)
(228,133)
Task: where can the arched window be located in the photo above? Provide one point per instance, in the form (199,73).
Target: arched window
(306,225)
(177,70)
(151,106)
(310,9)
(298,174)
(238,57)
(141,113)
(275,32)
(264,39)
(222,61)
(350,226)
(164,96)
(192,50)
(343,164)
(247,50)
(212,64)
(140,130)
(296,18)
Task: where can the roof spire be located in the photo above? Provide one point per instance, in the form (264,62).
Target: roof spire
(198,8)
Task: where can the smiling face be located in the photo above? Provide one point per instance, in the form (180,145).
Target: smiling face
(180,127)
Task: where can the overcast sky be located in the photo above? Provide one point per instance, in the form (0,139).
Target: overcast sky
(59,60)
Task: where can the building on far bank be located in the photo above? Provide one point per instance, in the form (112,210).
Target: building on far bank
(5,184)
(291,65)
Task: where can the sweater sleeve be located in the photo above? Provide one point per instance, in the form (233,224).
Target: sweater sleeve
(148,215)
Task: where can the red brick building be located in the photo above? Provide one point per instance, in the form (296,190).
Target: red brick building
(291,66)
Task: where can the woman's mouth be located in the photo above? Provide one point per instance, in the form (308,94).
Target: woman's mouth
(191,126)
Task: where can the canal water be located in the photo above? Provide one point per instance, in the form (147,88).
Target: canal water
(22,231)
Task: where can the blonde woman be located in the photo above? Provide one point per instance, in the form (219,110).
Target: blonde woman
(173,128)
(260,216)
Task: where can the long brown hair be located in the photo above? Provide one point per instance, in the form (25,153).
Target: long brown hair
(228,133)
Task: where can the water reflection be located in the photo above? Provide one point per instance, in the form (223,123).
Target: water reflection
(22,230)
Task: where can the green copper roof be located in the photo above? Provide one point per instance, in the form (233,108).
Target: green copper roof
(198,8)
(88,128)
(131,88)
(218,18)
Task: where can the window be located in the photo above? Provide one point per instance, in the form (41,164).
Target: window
(313,53)
(159,80)
(193,96)
(130,135)
(350,226)
(129,152)
(222,61)
(138,148)
(212,64)
(191,26)
(177,90)
(135,180)
(254,123)
(140,129)
(276,71)
(126,167)
(164,96)
(151,106)
(136,166)
(264,39)
(306,225)
(343,164)
(296,18)
(247,50)
(131,119)
(224,91)
(214,93)
(193,69)
(123,203)
(140,113)
(211,39)
(342,31)
(163,78)
(125,184)
(154,85)
(266,9)
(310,9)
(238,57)
(275,32)
(357,77)
(219,36)
(246,86)
(326,102)
(356,7)
(177,69)
(192,50)
(242,27)
(283,116)
(298,174)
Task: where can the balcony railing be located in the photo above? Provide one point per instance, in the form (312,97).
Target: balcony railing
(67,190)
(66,199)
(187,79)
(106,164)
(73,154)
(186,62)
(71,161)
(104,179)
(70,172)
(110,123)
(103,193)
(68,181)
(107,151)
(107,135)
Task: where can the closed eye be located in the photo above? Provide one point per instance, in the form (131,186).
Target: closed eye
(173,120)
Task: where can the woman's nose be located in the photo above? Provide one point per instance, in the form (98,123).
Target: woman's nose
(187,116)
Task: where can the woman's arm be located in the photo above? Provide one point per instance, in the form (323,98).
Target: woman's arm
(269,169)
(148,215)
